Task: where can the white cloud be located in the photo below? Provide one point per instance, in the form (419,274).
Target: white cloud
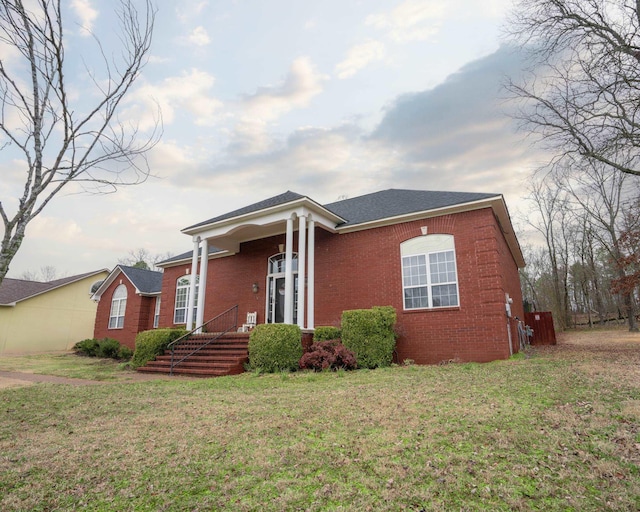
(53,228)
(190,9)
(190,92)
(255,113)
(301,84)
(360,56)
(199,37)
(87,14)
(167,159)
(412,20)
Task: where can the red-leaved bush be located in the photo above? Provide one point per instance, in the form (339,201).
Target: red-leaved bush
(328,355)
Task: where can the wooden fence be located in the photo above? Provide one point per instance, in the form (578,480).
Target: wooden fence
(542,324)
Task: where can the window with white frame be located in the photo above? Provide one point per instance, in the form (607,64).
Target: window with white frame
(156,314)
(182,299)
(118,307)
(429,276)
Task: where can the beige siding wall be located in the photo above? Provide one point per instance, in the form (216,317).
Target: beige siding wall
(55,320)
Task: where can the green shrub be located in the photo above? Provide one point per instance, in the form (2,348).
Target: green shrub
(369,334)
(104,347)
(151,343)
(108,347)
(88,347)
(125,353)
(326,333)
(275,347)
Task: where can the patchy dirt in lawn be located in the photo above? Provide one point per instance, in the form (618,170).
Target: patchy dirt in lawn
(613,354)
(28,377)
(18,379)
(595,344)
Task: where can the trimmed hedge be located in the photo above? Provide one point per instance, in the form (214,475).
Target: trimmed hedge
(326,333)
(369,334)
(275,347)
(150,344)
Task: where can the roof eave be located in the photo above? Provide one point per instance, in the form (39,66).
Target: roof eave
(47,290)
(496,203)
(182,261)
(423,214)
(106,283)
(198,228)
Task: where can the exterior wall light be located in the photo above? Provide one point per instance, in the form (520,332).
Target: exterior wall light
(255,288)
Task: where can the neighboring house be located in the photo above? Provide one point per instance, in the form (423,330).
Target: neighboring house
(36,317)
(128,302)
(447,261)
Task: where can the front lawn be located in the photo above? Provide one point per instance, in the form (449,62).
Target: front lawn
(67,364)
(554,431)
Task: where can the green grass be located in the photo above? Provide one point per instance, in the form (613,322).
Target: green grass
(68,365)
(541,433)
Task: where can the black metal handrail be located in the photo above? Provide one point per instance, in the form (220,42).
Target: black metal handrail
(220,325)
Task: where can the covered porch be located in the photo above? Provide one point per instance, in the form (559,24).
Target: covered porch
(289,273)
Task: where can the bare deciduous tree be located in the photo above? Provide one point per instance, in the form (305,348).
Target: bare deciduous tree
(601,193)
(46,274)
(582,97)
(142,258)
(551,218)
(57,135)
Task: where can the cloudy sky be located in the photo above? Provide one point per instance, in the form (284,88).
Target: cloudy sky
(328,99)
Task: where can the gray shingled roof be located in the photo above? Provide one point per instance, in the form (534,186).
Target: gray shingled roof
(358,210)
(16,290)
(189,254)
(146,281)
(396,202)
(287,197)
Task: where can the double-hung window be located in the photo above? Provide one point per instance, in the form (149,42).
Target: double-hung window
(429,276)
(118,307)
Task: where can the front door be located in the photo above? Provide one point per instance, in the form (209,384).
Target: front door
(276,289)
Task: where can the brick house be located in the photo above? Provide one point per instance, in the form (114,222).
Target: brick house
(447,261)
(128,302)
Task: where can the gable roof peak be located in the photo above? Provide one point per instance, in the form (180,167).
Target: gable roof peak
(285,197)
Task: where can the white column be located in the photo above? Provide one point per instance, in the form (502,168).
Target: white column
(302,254)
(202,289)
(192,284)
(288,275)
(312,274)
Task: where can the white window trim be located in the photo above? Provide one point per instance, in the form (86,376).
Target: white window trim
(156,313)
(118,308)
(429,284)
(271,280)
(185,287)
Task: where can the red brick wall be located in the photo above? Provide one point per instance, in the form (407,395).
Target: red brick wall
(363,269)
(138,314)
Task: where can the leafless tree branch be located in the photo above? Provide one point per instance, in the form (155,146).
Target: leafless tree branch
(61,142)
